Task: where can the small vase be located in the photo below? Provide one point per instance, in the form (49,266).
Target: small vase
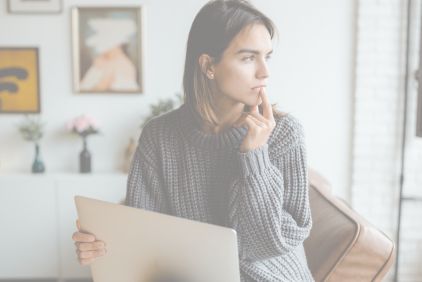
(85,159)
(37,165)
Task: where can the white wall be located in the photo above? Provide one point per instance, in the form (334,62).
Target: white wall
(311,78)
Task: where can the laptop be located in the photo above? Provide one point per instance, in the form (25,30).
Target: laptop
(146,246)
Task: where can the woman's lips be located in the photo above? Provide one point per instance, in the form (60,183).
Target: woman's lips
(258,87)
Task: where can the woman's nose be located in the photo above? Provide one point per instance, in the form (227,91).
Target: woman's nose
(262,70)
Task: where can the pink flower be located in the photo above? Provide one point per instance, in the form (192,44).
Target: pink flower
(83,125)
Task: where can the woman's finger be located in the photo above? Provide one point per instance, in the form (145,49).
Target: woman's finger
(97,245)
(257,122)
(249,122)
(78,225)
(259,117)
(83,237)
(254,122)
(91,254)
(86,261)
(266,106)
(255,117)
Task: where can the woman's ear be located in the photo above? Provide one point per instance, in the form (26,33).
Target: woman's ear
(207,66)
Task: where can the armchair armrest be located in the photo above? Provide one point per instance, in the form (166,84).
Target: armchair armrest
(342,245)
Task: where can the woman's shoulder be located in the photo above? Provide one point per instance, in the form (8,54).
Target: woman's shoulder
(159,127)
(156,135)
(287,132)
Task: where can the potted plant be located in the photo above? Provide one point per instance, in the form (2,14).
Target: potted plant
(162,106)
(31,129)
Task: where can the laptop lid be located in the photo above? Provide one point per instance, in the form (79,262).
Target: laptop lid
(146,246)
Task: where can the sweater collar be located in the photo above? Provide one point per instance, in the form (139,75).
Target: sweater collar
(190,124)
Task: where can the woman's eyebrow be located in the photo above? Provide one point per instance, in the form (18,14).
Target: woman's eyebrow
(256,52)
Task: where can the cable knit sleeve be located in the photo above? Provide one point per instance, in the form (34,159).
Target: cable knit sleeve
(269,203)
(144,184)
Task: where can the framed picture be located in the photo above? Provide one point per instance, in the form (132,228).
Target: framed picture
(107,49)
(35,6)
(19,80)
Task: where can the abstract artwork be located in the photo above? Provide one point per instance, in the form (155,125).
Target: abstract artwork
(19,80)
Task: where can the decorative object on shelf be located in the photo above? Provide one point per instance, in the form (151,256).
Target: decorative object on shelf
(163,106)
(19,80)
(129,152)
(31,130)
(34,7)
(84,126)
(107,49)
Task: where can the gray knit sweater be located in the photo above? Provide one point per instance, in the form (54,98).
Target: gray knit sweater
(263,194)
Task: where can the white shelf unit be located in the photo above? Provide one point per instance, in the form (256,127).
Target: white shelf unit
(38,218)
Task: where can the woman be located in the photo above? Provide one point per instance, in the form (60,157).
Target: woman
(210,161)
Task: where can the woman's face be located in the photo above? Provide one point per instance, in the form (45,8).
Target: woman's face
(243,68)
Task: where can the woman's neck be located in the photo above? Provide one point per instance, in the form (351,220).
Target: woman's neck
(226,114)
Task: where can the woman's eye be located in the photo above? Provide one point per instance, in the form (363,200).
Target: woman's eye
(268,58)
(248,59)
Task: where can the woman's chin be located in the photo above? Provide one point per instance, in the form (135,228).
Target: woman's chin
(252,102)
(255,103)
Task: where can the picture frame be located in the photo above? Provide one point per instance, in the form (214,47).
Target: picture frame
(35,6)
(19,80)
(107,50)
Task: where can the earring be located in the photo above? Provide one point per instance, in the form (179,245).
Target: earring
(211,76)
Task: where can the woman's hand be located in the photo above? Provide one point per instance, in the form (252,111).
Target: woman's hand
(87,247)
(259,126)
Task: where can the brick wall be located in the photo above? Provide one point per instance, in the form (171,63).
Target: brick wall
(378,118)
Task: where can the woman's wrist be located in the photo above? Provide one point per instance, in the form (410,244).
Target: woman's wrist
(254,161)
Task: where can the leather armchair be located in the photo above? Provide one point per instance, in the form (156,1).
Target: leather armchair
(342,245)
